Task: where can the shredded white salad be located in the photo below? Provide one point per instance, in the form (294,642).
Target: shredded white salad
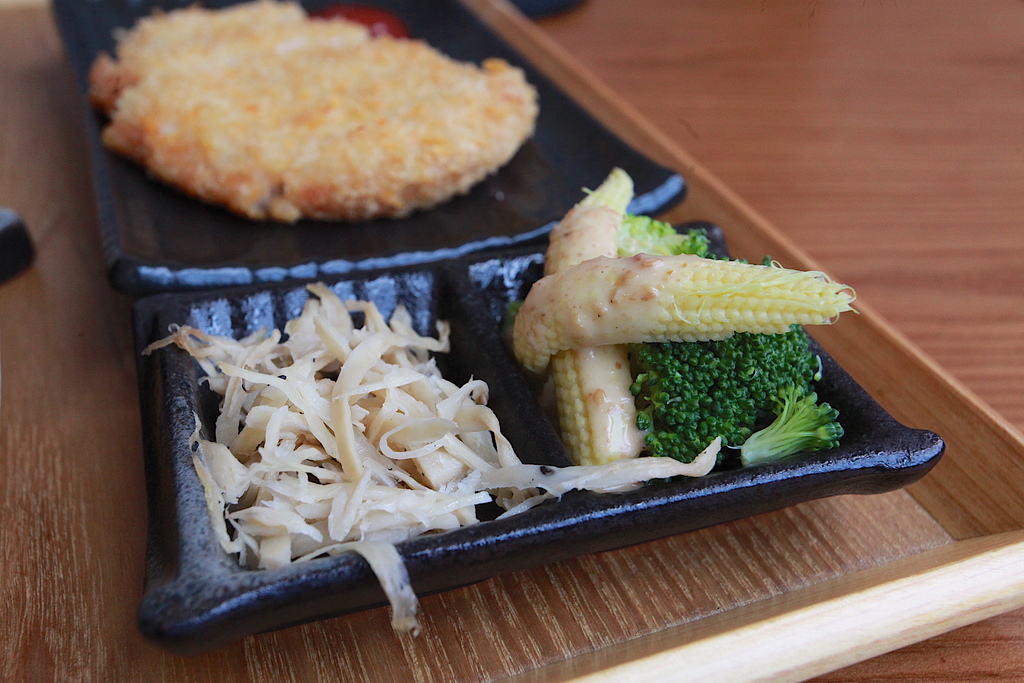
(335,437)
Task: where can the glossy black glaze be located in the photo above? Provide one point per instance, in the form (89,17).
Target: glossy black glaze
(158,239)
(197,598)
(16,250)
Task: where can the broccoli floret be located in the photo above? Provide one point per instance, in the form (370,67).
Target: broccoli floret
(644,235)
(690,392)
(801,425)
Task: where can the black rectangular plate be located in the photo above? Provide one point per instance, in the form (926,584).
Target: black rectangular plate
(197,597)
(158,239)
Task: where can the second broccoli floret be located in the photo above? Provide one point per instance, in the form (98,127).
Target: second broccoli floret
(801,425)
(645,235)
(689,393)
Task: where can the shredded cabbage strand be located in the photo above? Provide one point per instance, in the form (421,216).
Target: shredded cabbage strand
(336,437)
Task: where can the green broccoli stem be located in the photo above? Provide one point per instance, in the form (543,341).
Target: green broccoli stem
(801,425)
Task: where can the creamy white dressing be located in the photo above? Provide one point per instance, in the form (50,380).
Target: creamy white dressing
(605,378)
(586,232)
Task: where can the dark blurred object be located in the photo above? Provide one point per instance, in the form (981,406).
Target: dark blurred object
(543,8)
(15,246)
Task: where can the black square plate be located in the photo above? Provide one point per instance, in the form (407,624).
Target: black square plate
(197,597)
(158,239)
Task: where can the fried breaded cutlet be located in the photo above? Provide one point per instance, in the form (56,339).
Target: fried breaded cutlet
(278,116)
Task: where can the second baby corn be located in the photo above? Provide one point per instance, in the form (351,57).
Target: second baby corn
(596,411)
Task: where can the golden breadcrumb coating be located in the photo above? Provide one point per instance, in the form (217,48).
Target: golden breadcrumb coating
(274,115)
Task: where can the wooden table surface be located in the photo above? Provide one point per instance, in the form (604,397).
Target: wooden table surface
(886,138)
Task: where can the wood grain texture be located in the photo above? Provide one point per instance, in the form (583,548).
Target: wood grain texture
(73,540)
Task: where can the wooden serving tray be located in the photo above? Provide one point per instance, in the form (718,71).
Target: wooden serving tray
(781,596)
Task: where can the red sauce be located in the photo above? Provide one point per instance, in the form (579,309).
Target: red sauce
(380,22)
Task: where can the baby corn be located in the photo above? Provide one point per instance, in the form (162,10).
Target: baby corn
(596,411)
(591,228)
(667,298)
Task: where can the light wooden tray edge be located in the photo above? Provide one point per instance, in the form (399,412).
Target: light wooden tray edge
(821,628)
